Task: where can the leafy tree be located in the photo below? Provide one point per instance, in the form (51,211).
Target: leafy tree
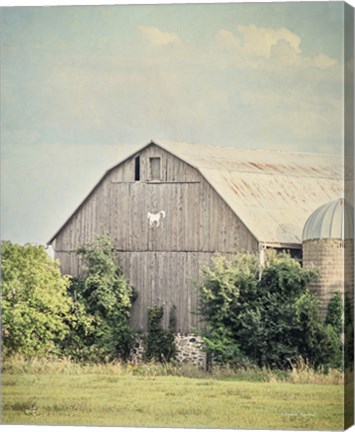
(335,313)
(348,333)
(268,318)
(35,307)
(229,287)
(318,342)
(102,299)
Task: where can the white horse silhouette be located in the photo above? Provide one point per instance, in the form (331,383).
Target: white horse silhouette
(154,218)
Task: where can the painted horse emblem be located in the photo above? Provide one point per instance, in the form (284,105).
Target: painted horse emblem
(154,218)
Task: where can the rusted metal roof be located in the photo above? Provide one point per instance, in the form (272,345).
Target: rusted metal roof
(272,192)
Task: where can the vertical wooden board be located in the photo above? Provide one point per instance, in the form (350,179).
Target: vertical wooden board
(58,244)
(89,221)
(144,220)
(202,204)
(122,197)
(185,289)
(75,239)
(140,288)
(162,276)
(115,216)
(197,267)
(220,221)
(174,218)
(150,202)
(182,190)
(65,238)
(134,262)
(83,225)
(185,218)
(133,218)
(214,221)
(207,234)
(163,230)
(128,220)
(191,273)
(165,170)
(196,193)
(121,222)
(183,286)
(150,295)
(86,227)
(157,205)
(176,286)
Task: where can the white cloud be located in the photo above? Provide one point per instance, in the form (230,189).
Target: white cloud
(323,61)
(266,47)
(158,37)
(228,38)
(260,40)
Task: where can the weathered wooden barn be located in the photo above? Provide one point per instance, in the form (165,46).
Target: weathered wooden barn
(170,207)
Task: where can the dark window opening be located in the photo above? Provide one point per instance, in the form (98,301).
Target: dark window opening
(137,171)
(155,168)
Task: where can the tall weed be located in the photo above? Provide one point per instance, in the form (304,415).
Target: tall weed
(299,374)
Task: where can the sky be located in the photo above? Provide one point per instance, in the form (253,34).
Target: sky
(81,87)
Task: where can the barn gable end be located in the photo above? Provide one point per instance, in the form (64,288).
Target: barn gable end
(163,229)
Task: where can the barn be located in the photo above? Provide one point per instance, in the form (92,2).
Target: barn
(170,207)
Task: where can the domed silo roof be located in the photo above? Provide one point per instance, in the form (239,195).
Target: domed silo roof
(334,220)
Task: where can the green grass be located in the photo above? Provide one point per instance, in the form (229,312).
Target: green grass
(120,398)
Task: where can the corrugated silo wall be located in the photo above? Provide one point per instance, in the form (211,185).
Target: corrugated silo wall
(328,256)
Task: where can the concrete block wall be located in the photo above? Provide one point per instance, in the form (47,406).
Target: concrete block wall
(328,256)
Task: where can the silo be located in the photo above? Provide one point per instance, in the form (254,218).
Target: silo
(327,243)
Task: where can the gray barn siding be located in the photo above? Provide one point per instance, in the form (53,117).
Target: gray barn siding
(160,262)
(165,278)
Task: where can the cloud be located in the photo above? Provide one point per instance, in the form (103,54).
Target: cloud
(322,61)
(260,40)
(228,38)
(158,37)
(266,47)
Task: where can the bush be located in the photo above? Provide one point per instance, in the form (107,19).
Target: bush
(34,303)
(102,300)
(348,334)
(269,319)
(160,343)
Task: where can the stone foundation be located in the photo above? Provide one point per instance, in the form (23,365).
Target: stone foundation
(137,353)
(189,349)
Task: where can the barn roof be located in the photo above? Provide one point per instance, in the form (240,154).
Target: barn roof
(272,192)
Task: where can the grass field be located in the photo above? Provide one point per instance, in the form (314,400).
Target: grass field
(100,397)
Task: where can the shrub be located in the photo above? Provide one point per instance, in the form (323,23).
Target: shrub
(34,304)
(348,334)
(160,343)
(335,313)
(102,299)
(266,318)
